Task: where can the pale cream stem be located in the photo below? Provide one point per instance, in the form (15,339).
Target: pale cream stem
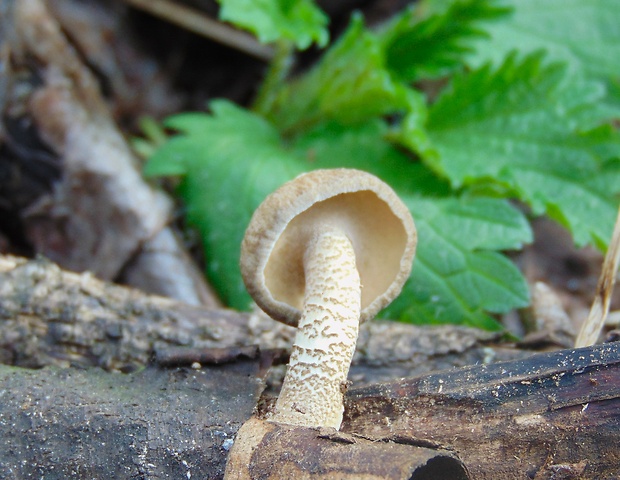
(312,393)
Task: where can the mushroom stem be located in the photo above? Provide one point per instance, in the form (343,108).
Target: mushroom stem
(313,389)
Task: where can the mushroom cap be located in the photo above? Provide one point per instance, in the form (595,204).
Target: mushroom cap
(364,208)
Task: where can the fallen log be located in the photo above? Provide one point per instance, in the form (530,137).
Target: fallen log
(49,316)
(550,415)
(264,449)
(553,415)
(70,423)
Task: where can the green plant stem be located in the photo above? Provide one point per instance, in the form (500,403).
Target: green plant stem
(278,71)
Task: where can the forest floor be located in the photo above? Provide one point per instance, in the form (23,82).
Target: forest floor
(77,77)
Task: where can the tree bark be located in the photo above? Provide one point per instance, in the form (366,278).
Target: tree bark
(49,316)
(265,449)
(553,415)
(70,423)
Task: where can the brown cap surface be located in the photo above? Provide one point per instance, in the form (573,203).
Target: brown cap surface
(357,203)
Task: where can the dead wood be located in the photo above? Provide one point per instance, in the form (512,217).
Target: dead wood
(53,317)
(552,415)
(70,423)
(555,415)
(269,450)
(194,20)
(593,326)
(101,215)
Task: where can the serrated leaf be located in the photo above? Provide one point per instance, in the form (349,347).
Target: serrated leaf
(231,160)
(432,40)
(171,158)
(583,33)
(350,84)
(364,146)
(517,127)
(457,278)
(299,21)
(475,224)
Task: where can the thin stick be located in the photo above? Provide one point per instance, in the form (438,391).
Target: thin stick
(591,329)
(279,68)
(201,24)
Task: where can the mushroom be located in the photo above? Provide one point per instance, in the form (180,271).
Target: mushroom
(325,252)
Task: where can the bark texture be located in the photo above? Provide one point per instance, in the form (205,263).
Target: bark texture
(553,415)
(548,416)
(52,317)
(271,450)
(69,423)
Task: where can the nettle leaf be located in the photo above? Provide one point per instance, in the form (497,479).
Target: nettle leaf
(364,146)
(230,161)
(433,39)
(517,127)
(582,33)
(350,84)
(457,275)
(299,21)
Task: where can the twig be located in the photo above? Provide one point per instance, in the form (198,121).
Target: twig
(591,328)
(279,68)
(196,22)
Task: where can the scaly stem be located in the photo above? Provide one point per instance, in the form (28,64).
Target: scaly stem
(312,393)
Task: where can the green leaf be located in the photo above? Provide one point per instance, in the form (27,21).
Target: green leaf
(349,85)
(583,33)
(433,39)
(231,160)
(298,21)
(458,274)
(518,127)
(171,158)
(153,137)
(457,277)
(364,146)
